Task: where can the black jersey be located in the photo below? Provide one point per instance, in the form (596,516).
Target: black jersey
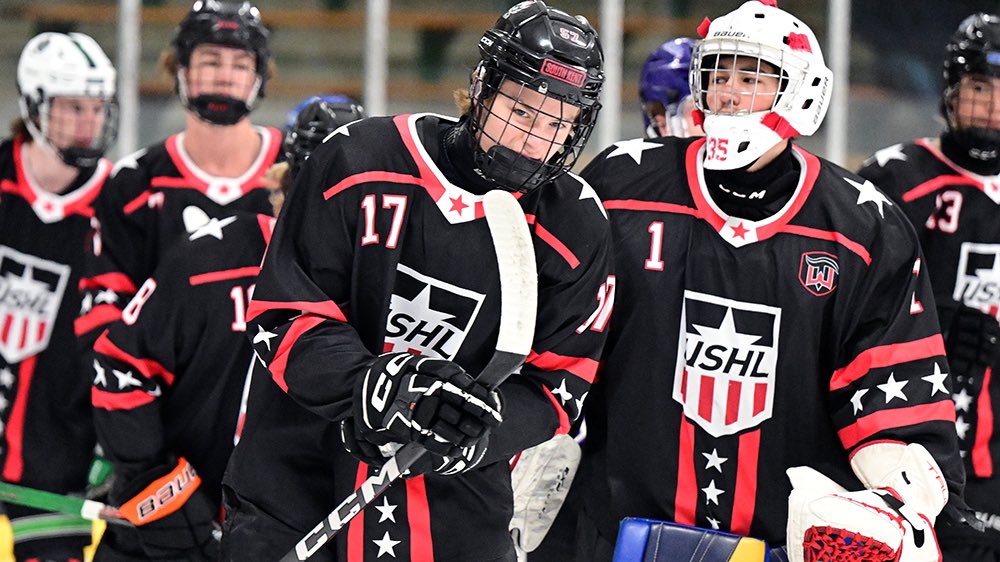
(955,214)
(154,197)
(45,420)
(377,251)
(168,378)
(741,348)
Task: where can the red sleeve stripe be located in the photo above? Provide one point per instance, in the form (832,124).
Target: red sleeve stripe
(934,184)
(119,400)
(560,413)
(98,316)
(225,275)
(325,308)
(117,282)
(865,427)
(582,367)
(137,203)
(837,237)
(887,356)
(557,245)
(148,367)
(300,326)
(370,177)
(654,206)
(982,461)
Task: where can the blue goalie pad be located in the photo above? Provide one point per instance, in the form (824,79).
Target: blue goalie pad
(649,540)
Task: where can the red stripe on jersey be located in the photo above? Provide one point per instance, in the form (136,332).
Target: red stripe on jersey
(686,497)
(733,401)
(561,414)
(982,462)
(98,316)
(557,245)
(299,326)
(137,203)
(429,180)
(759,397)
(325,308)
(13,467)
(934,184)
(149,368)
(887,356)
(117,282)
(266,224)
(225,275)
(655,206)
(837,237)
(24,333)
(745,495)
(582,367)
(356,528)
(119,400)
(369,177)
(8,319)
(865,427)
(706,395)
(418,514)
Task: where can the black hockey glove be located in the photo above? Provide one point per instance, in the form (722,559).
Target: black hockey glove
(375,455)
(970,338)
(173,518)
(404,398)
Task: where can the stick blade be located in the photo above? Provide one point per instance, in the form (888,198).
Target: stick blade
(518,278)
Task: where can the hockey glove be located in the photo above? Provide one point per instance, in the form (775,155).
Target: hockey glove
(403,398)
(971,338)
(174,519)
(376,455)
(893,520)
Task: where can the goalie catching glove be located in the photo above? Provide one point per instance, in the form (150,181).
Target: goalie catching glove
(892,520)
(404,398)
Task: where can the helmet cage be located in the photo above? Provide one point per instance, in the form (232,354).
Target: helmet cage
(974,52)
(314,123)
(229,24)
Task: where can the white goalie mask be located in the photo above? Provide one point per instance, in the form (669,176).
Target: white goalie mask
(764,44)
(54,65)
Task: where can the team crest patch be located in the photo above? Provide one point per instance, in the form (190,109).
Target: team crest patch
(726,360)
(31,290)
(977,281)
(818,272)
(428,316)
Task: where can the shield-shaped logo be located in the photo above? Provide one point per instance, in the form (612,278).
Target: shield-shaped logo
(428,316)
(818,272)
(977,281)
(726,360)
(31,290)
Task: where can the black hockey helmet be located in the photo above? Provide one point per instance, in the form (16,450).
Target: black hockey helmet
(316,118)
(548,51)
(231,24)
(974,49)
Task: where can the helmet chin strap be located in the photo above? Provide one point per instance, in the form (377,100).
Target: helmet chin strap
(217,109)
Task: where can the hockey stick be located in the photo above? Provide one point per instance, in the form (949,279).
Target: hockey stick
(39,499)
(518,298)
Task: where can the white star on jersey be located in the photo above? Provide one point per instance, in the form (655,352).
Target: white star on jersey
(714,523)
(714,460)
(264,336)
(126,378)
(562,392)
(894,152)
(579,403)
(106,296)
(961,427)
(712,493)
(937,380)
(587,192)
(963,401)
(341,130)
(893,389)
(868,193)
(130,161)
(386,510)
(6,377)
(633,148)
(213,228)
(856,399)
(100,375)
(386,545)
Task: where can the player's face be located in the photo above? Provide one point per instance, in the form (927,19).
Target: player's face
(681,125)
(222,71)
(739,85)
(977,103)
(76,121)
(527,122)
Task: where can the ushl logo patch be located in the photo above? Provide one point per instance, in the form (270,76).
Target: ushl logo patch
(818,272)
(726,361)
(428,316)
(31,290)
(977,281)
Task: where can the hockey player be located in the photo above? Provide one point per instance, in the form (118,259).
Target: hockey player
(773,315)
(948,187)
(220,62)
(51,169)
(170,376)
(664,93)
(381,268)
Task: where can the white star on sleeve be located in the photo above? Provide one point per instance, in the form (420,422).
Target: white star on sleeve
(100,376)
(937,380)
(893,389)
(264,336)
(856,399)
(562,392)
